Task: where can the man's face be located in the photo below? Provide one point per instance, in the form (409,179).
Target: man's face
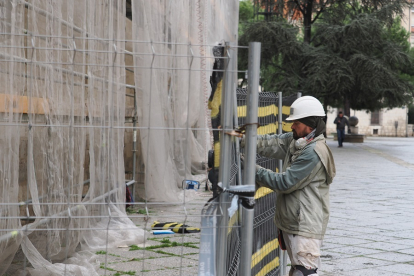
(300,130)
(341,115)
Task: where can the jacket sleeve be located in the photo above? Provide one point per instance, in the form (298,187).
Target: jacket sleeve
(336,120)
(274,146)
(297,176)
(346,122)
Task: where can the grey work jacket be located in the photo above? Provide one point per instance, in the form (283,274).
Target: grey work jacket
(302,205)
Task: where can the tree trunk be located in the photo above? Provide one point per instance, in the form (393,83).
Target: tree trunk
(347,108)
(325,119)
(307,21)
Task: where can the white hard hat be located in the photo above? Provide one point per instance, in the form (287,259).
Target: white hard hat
(305,106)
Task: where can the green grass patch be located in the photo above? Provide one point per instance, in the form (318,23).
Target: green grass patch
(165,241)
(166,253)
(102,252)
(118,272)
(114,255)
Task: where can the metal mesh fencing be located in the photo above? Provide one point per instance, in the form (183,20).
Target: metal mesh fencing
(98,117)
(92,102)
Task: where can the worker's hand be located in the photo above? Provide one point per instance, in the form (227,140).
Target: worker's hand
(235,133)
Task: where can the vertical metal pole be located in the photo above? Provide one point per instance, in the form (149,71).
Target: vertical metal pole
(237,144)
(280,124)
(282,253)
(247,217)
(225,154)
(251,116)
(249,176)
(134,146)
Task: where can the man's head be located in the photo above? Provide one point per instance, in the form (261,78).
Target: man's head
(300,130)
(340,114)
(307,114)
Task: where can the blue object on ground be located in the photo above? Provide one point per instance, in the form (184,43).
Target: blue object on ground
(192,184)
(162,232)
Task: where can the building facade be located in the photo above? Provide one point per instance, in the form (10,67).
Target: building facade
(385,122)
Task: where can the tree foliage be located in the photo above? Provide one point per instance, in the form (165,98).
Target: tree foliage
(356,54)
(246,11)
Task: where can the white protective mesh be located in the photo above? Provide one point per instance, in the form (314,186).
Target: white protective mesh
(173,60)
(63,104)
(62,120)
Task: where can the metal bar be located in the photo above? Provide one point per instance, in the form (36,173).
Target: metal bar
(29,34)
(225,157)
(237,140)
(131,182)
(44,64)
(282,253)
(280,124)
(247,218)
(249,176)
(252,110)
(134,144)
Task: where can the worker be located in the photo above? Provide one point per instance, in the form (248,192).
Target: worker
(302,205)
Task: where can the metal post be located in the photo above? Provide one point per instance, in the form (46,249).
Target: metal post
(237,142)
(134,145)
(247,217)
(251,116)
(249,176)
(282,253)
(280,124)
(225,154)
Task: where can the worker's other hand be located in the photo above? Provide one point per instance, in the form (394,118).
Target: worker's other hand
(235,133)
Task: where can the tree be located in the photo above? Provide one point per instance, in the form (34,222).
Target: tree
(349,53)
(246,11)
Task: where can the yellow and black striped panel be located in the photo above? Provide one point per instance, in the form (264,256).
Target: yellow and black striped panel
(265,258)
(214,101)
(176,227)
(265,255)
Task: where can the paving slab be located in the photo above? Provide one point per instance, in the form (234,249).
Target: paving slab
(371,209)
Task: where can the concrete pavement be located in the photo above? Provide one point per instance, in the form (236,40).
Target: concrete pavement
(371,228)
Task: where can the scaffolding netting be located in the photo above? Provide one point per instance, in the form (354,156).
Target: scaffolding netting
(62,119)
(173,74)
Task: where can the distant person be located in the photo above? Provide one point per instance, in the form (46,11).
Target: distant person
(340,122)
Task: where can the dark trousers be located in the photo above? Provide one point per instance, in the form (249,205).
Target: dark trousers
(341,136)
